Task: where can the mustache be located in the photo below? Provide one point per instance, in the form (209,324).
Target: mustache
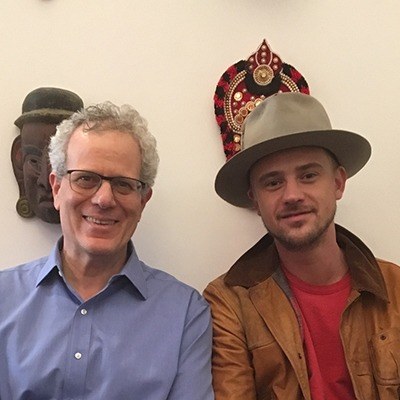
(294,209)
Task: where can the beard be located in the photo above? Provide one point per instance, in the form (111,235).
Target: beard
(291,238)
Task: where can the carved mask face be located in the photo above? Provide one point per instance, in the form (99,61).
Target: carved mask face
(35,138)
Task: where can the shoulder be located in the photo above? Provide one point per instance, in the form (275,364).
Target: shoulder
(165,285)
(391,276)
(23,272)
(18,283)
(218,284)
(390,270)
(218,293)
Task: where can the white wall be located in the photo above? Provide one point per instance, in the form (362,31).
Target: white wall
(165,58)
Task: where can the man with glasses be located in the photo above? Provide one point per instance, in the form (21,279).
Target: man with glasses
(91,321)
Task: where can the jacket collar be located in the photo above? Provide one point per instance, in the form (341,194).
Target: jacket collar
(262,260)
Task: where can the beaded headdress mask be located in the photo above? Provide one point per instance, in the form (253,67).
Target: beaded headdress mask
(246,84)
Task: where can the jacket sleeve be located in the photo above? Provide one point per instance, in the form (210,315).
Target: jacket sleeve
(233,374)
(193,380)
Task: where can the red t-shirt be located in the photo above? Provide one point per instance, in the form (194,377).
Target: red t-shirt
(321,309)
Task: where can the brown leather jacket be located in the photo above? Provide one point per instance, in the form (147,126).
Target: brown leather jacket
(258,349)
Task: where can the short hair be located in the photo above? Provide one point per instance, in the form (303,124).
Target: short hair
(100,117)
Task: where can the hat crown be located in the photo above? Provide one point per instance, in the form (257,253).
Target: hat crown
(284,114)
(48,104)
(51,98)
(281,122)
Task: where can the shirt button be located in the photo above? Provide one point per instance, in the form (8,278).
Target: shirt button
(83,311)
(78,355)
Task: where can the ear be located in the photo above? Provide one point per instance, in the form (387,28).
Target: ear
(254,202)
(55,188)
(340,181)
(146,197)
(18,164)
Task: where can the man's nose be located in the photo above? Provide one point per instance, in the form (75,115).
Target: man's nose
(104,196)
(293,191)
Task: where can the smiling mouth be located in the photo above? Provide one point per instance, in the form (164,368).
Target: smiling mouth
(294,214)
(101,221)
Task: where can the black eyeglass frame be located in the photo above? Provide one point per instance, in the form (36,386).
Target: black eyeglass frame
(110,179)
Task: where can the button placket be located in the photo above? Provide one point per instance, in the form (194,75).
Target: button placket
(79,350)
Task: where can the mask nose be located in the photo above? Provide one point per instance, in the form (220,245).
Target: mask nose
(45,168)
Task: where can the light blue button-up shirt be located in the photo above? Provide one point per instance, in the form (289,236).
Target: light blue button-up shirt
(146,336)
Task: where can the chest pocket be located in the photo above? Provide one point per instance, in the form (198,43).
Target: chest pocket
(385,357)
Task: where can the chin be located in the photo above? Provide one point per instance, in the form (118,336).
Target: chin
(101,247)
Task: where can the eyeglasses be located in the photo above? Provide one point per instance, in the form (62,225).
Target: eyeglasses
(88,183)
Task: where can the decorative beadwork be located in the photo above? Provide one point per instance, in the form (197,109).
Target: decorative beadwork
(244,85)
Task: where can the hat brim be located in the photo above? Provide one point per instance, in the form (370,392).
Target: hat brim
(232,181)
(45,115)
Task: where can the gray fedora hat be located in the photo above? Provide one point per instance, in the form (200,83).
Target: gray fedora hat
(283,121)
(48,104)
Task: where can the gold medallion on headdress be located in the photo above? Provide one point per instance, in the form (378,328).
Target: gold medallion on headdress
(246,84)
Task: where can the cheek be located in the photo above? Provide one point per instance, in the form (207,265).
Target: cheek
(135,210)
(29,175)
(265,213)
(29,182)
(332,193)
(265,200)
(266,208)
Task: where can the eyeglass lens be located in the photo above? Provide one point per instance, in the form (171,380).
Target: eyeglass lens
(89,182)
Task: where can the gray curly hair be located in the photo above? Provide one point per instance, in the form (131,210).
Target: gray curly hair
(106,116)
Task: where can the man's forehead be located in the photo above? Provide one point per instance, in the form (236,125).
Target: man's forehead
(100,143)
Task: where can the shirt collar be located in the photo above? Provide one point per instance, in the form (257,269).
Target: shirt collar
(132,270)
(262,260)
(53,262)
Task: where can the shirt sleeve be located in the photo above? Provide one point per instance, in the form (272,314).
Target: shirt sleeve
(193,380)
(232,369)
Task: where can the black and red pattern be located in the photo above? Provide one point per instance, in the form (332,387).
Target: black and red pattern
(244,85)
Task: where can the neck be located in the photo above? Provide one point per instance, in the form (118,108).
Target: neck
(322,264)
(88,275)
